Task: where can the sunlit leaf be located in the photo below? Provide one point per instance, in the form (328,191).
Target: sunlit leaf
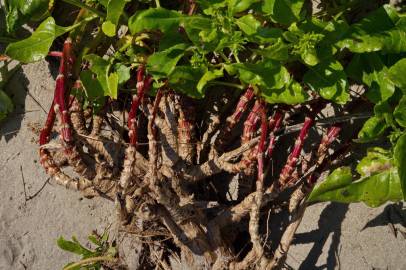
(373,128)
(400,161)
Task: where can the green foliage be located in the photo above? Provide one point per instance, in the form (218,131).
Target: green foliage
(379,182)
(36,47)
(104,250)
(277,46)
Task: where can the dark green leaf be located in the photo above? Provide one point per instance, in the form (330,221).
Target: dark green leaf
(161,64)
(278,51)
(73,246)
(185,79)
(373,190)
(283,11)
(373,128)
(329,80)
(6,105)
(94,90)
(114,11)
(36,47)
(397,74)
(400,112)
(400,161)
(22,11)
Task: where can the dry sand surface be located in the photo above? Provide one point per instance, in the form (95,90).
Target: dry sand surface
(332,236)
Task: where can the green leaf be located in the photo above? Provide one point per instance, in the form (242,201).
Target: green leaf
(101,67)
(161,64)
(376,161)
(94,90)
(73,246)
(338,178)
(373,128)
(236,6)
(400,112)
(114,10)
(291,94)
(209,76)
(397,74)
(373,190)
(266,75)
(36,47)
(123,73)
(370,70)
(154,19)
(22,11)
(283,11)
(278,51)
(376,32)
(248,24)
(400,161)
(185,79)
(329,80)
(6,105)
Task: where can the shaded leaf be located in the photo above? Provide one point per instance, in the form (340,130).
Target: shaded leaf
(400,112)
(161,64)
(154,19)
(283,11)
(185,79)
(6,105)
(329,80)
(397,74)
(277,51)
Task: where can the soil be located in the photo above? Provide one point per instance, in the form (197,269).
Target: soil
(34,211)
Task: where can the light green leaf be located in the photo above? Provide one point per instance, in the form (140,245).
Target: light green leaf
(248,24)
(329,80)
(209,76)
(265,75)
(400,161)
(161,64)
(114,10)
(283,11)
(123,73)
(236,6)
(154,19)
(373,128)
(373,190)
(291,94)
(338,178)
(6,105)
(73,246)
(36,47)
(101,67)
(397,74)
(376,161)
(400,112)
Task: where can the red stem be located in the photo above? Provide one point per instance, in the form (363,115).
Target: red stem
(274,125)
(143,86)
(252,121)
(261,145)
(45,133)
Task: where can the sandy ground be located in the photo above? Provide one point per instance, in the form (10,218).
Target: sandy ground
(332,236)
